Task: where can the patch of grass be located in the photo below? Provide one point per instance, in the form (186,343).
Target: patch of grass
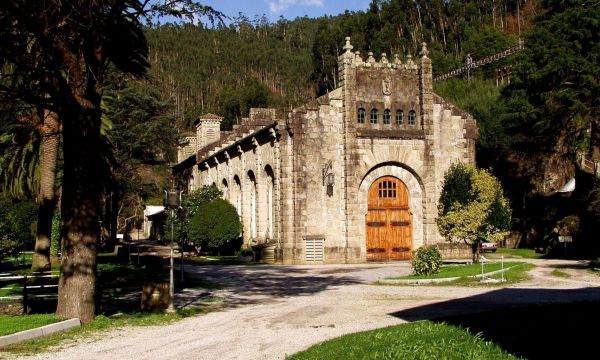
(516,273)
(10,324)
(420,340)
(516,253)
(449,271)
(560,273)
(101,324)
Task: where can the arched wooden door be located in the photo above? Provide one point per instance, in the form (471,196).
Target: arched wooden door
(388,221)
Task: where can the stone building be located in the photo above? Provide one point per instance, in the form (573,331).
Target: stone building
(353,176)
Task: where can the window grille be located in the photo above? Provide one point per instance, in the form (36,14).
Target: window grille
(361,116)
(374,116)
(412,117)
(386,116)
(399,117)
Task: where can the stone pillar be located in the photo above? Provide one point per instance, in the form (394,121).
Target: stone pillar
(349,178)
(432,150)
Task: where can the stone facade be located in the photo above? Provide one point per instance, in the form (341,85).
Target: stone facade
(300,183)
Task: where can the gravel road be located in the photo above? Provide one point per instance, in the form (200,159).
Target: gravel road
(271,311)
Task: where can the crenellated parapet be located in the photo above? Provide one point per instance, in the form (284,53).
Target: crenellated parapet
(354,60)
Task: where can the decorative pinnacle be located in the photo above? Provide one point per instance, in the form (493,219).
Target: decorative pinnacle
(424,51)
(348,47)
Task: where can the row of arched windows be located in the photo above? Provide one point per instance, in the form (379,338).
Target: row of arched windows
(387,117)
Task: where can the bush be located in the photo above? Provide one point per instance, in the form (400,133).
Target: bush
(17,226)
(426,260)
(213,224)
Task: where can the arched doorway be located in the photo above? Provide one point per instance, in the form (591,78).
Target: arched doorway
(388,221)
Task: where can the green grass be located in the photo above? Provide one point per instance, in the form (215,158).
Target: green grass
(419,340)
(10,324)
(515,253)
(560,273)
(102,324)
(516,273)
(449,271)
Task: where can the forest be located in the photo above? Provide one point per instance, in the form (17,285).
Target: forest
(538,124)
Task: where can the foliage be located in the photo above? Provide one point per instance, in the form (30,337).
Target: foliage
(214,223)
(17,226)
(56,235)
(426,260)
(19,157)
(418,340)
(482,213)
(189,207)
(550,110)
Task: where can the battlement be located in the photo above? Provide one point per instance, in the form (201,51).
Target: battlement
(354,60)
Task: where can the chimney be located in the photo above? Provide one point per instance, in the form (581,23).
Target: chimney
(208,130)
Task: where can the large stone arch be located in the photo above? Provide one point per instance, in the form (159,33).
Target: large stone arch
(416,198)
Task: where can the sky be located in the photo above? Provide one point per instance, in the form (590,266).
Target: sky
(289,9)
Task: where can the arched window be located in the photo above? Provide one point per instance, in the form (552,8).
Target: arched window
(399,117)
(374,116)
(386,116)
(412,118)
(361,116)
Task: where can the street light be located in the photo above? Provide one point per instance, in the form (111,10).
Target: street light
(172,202)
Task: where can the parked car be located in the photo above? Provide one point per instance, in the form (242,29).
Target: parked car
(488,247)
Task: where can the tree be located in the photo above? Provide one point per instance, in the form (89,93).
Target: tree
(53,55)
(214,224)
(551,109)
(50,141)
(472,207)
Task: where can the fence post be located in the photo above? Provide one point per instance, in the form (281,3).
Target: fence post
(25,294)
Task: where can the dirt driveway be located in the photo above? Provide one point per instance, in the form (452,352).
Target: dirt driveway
(272,311)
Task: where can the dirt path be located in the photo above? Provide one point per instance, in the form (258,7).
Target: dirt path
(278,310)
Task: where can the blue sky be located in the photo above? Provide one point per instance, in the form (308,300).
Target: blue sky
(289,9)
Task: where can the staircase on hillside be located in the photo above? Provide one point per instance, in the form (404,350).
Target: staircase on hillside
(470,65)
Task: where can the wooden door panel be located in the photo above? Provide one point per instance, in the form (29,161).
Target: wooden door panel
(388,221)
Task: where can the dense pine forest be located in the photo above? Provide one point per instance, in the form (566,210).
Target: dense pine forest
(535,125)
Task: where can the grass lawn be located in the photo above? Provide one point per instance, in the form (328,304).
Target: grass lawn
(121,284)
(10,324)
(100,324)
(419,340)
(449,271)
(516,273)
(556,331)
(515,253)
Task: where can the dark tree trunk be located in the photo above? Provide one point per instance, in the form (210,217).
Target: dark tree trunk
(80,209)
(46,199)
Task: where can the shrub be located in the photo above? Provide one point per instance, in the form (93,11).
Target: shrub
(213,224)
(426,260)
(17,226)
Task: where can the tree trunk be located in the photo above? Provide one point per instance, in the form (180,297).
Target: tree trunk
(80,209)
(46,199)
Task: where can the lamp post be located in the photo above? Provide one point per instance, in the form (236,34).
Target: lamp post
(172,202)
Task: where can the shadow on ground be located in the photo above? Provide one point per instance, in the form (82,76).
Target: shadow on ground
(530,323)
(257,284)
